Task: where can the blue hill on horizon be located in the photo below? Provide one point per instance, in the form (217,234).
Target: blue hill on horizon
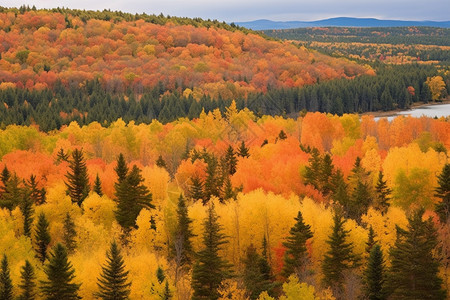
(339,22)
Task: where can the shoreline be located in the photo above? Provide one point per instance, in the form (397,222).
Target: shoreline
(392,113)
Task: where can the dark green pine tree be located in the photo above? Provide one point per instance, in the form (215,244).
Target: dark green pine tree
(254,277)
(160,275)
(37,195)
(42,237)
(6,287)
(113,283)
(210,269)
(161,163)
(26,207)
(4,177)
(182,248)
(228,191)
(443,192)
(77,178)
(361,200)
(196,189)
(339,257)
(282,135)
(131,196)
(382,194)
(62,156)
(296,256)
(230,160)
(98,186)
(121,169)
(414,269)
(69,234)
(243,150)
(212,186)
(339,190)
(312,170)
(60,275)
(13,194)
(374,275)
(326,174)
(371,240)
(167,293)
(27,284)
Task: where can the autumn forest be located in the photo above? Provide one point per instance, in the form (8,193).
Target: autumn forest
(158,157)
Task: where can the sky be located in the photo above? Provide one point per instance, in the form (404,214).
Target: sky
(277,10)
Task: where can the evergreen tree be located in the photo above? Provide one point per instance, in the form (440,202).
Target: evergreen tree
(160,275)
(443,192)
(282,135)
(77,178)
(62,156)
(113,283)
(255,280)
(326,174)
(121,169)
(26,207)
(212,185)
(243,150)
(161,163)
(312,170)
(182,248)
(371,240)
(131,196)
(339,257)
(228,191)
(230,160)
(98,186)
(27,284)
(37,195)
(196,189)
(13,194)
(60,275)
(383,194)
(4,177)
(69,234)
(210,269)
(42,237)
(361,200)
(167,293)
(295,257)
(6,287)
(339,190)
(374,277)
(414,271)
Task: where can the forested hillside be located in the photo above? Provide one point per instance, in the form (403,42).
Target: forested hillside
(282,190)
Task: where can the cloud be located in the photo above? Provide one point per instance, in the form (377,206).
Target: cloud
(238,10)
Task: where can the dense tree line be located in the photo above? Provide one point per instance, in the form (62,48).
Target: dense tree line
(378,35)
(394,87)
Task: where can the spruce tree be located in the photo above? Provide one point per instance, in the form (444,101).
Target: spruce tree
(296,257)
(167,293)
(37,195)
(212,186)
(26,207)
(196,189)
(326,174)
(13,194)
(371,240)
(414,272)
(160,275)
(69,234)
(339,190)
(121,169)
(62,156)
(339,257)
(443,192)
(182,248)
(98,186)
(228,191)
(77,178)
(27,283)
(113,283)
(254,278)
(210,269)
(361,200)
(282,135)
(6,287)
(312,170)
(243,150)
(4,177)
(161,163)
(42,237)
(382,194)
(374,277)
(131,196)
(60,275)
(230,160)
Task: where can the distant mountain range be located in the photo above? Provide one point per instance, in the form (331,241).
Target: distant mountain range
(339,22)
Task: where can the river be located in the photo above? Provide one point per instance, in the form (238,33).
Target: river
(436,110)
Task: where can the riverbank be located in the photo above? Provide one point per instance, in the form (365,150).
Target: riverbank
(396,112)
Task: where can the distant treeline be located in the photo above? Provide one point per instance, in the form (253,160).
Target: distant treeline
(381,35)
(393,87)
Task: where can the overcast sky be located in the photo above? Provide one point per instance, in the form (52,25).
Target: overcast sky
(278,10)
